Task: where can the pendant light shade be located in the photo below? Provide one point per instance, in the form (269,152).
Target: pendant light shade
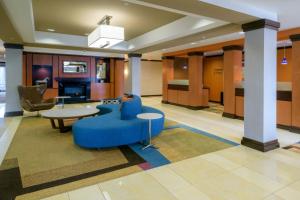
(284,59)
(105,35)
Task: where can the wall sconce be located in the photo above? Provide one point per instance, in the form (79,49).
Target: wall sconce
(126,72)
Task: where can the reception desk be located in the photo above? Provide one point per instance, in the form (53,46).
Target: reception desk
(284,104)
(179,94)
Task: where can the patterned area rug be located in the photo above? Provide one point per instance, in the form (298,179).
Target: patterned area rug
(43,162)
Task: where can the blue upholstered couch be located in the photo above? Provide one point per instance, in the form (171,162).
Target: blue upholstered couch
(116,125)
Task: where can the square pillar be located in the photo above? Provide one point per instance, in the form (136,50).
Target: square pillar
(196,92)
(295,83)
(167,75)
(233,68)
(260,85)
(133,81)
(14,74)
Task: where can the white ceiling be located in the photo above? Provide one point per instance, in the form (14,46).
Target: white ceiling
(287,10)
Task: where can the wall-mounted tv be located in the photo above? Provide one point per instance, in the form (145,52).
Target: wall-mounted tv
(74,67)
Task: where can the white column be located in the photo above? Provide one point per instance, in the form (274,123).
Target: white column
(13,71)
(260,85)
(133,79)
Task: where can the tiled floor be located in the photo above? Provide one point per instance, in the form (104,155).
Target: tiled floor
(237,173)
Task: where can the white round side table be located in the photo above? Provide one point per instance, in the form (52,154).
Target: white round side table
(149,117)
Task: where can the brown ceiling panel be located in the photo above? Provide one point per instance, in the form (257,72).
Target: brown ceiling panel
(204,9)
(79,17)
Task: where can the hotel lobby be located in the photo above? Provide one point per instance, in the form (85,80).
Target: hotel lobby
(148,99)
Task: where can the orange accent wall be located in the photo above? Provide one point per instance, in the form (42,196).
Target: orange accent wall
(213,76)
(24,78)
(296,84)
(233,73)
(168,74)
(98,90)
(119,78)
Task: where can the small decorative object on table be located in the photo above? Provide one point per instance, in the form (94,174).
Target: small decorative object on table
(62,100)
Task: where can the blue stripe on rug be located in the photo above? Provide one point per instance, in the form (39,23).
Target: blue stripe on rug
(151,155)
(203,133)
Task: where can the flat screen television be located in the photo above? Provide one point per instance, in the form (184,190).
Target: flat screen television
(74,67)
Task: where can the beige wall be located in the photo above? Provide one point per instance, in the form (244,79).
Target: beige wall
(151,77)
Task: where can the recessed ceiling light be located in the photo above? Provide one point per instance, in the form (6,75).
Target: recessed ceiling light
(193,43)
(51,29)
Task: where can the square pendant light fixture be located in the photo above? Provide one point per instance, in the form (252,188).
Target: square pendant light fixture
(105,35)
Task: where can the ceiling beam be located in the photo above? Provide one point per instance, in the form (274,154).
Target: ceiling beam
(177,29)
(198,8)
(201,36)
(20,14)
(243,7)
(7,30)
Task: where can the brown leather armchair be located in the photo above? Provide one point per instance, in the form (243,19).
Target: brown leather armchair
(31,98)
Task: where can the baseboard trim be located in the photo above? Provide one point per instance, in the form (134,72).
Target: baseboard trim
(295,129)
(285,127)
(197,107)
(263,147)
(13,114)
(229,115)
(184,106)
(152,95)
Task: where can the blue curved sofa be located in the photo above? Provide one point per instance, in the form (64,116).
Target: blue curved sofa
(116,125)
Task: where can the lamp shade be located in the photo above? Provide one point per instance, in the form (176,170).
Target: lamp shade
(105,36)
(284,61)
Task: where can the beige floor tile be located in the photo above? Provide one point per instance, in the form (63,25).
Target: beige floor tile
(176,185)
(242,155)
(135,187)
(286,156)
(196,170)
(63,196)
(219,160)
(276,170)
(90,193)
(292,192)
(257,179)
(288,194)
(273,197)
(231,187)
